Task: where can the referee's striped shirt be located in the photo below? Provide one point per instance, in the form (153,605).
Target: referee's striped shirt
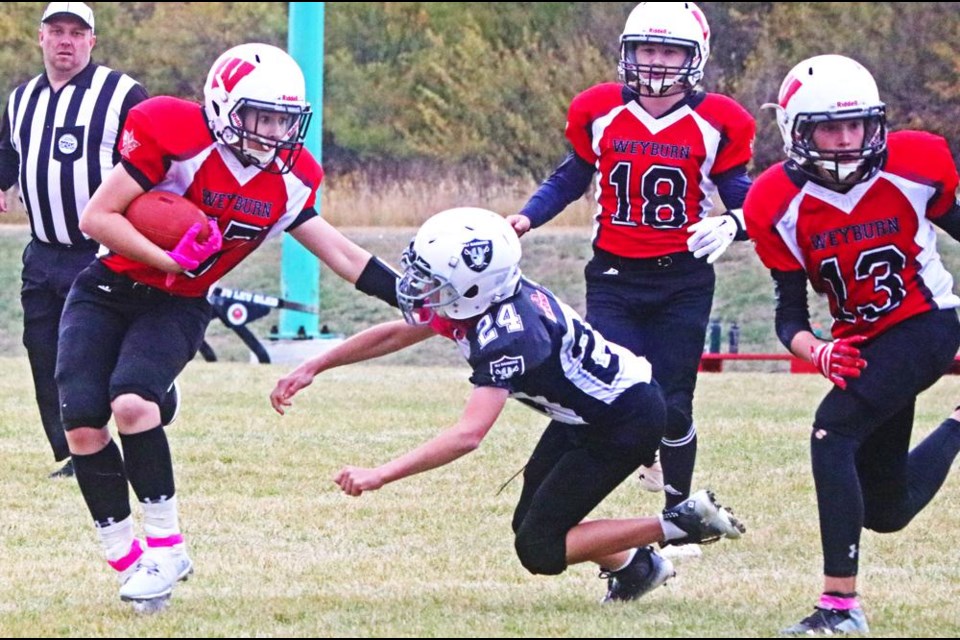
(59,146)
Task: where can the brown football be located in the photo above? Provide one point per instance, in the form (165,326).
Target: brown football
(164,217)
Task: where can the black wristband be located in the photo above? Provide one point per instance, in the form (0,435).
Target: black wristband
(379,280)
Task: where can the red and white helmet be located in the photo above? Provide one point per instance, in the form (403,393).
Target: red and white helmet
(266,79)
(680,24)
(461,262)
(831,88)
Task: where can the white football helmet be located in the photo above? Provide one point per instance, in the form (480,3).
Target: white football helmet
(680,24)
(460,263)
(831,88)
(248,85)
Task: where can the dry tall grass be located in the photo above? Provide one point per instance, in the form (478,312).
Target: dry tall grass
(358,201)
(361,200)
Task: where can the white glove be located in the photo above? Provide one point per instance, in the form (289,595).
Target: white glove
(711,236)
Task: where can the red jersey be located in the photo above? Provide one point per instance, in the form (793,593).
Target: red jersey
(655,175)
(167,145)
(872,250)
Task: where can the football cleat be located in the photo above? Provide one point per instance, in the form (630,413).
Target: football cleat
(651,478)
(703,520)
(170,405)
(66,471)
(157,571)
(646,571)
(828,622)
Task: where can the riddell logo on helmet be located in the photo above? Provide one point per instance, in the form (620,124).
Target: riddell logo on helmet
(291,98)
(847,103)
(658,30)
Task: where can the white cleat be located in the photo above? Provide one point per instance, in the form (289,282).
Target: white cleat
(703,520)
(153,579)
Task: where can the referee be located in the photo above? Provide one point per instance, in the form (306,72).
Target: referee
(58,139)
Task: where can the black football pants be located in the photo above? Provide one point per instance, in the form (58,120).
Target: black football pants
(48,272)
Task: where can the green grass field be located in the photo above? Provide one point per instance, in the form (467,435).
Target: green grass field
(279,552)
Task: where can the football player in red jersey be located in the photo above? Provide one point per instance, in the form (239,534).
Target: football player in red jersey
(661,152)
(853,210)
(462,280)
(137,316)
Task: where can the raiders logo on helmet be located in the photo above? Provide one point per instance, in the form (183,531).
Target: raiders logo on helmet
(477,254)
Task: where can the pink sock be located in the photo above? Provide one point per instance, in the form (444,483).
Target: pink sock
(838,603)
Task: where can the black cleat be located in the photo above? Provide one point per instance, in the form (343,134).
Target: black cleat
(647,571)
(66,471)
(829,622)
(703,519)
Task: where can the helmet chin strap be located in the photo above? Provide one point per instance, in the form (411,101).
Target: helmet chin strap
(661,86)
(842,170)
(258,157)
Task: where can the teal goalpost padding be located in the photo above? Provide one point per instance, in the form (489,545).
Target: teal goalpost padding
(300,269)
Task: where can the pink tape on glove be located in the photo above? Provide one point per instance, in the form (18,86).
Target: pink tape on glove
(189,253)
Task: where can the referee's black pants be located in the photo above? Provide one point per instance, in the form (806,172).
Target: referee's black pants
(48,272)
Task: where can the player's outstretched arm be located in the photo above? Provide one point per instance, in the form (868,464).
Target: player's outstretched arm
(346,258)
(482,410)
(103,220)
(371,343)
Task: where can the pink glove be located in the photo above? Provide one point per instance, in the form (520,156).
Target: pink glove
(839,360)
(189,253)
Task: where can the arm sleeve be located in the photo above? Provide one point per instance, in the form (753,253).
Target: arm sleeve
(9,158)
(792,314)
(732,187)
(950,221)
(567,183)
(379,280)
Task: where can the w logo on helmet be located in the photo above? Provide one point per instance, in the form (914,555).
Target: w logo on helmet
(230,72)
(477,254)
(789,87)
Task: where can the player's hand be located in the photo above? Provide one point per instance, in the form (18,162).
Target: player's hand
(355,480)
(839,359)
(520,223)
(3,202)
(287,387)
(189,253)
(711,236)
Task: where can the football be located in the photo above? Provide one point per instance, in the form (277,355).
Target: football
(164,217)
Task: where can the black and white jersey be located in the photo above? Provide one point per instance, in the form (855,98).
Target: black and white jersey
(549,358)
(60,145)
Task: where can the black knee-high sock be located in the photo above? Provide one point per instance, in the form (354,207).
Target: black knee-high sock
(678,455)
(149,465)
(929,463)
(103,484)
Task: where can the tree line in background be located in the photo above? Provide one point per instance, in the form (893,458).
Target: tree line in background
(484,87)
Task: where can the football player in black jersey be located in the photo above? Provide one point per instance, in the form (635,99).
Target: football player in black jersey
(462,280)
